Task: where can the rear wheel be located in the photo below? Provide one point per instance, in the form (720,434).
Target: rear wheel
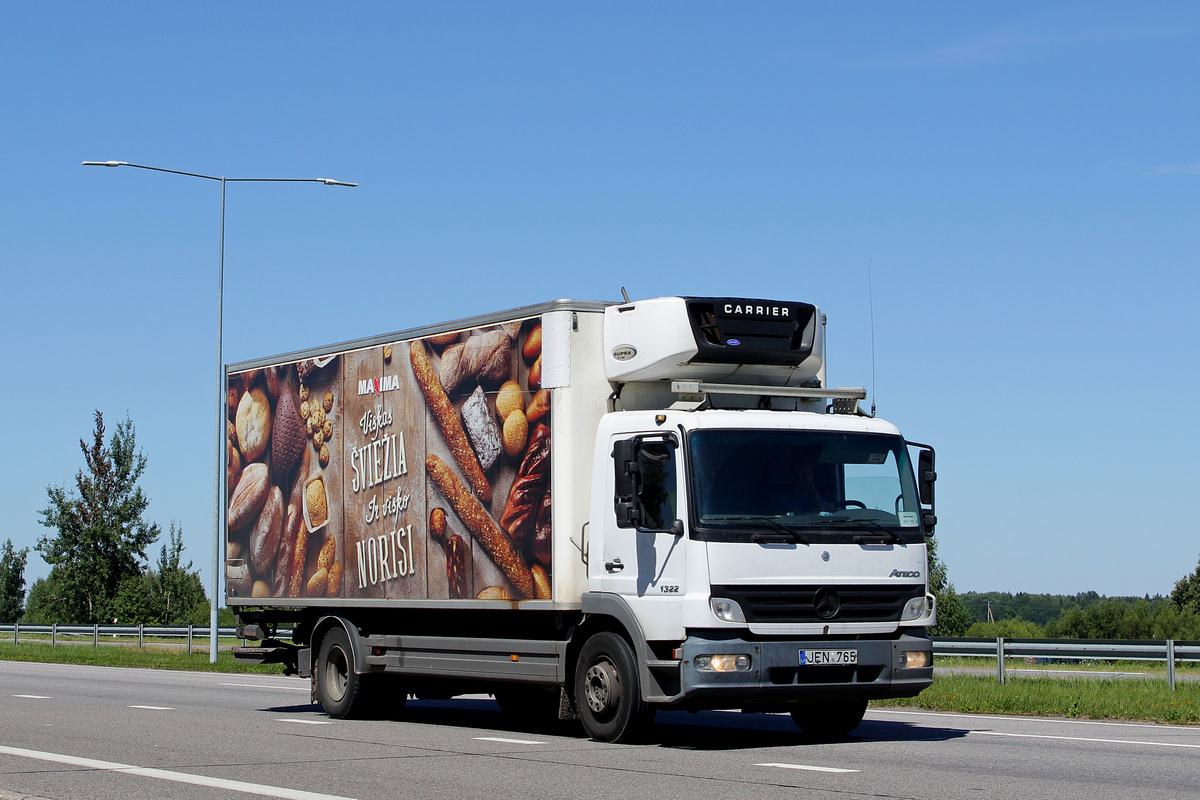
(826,720)
(608,692)
(338,687)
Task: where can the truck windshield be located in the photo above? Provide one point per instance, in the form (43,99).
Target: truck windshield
(852,486)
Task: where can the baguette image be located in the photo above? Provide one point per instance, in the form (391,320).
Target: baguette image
(299,557)
(456,555)
(533,479)
(448,422)
(296,530)
(485,529)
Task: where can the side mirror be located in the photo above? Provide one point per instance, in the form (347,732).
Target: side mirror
(926,476)
(625,467)
(625,473)
(677,529)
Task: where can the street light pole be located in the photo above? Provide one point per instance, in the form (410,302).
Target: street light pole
(219,458)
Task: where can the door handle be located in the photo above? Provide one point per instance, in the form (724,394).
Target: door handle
(614,566)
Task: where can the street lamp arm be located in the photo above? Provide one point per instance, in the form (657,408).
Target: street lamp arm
(156,169)
(326,181)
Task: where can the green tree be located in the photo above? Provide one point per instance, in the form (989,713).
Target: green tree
(171,593)
(1187,592)
(12,581)
(1011,628)
(953,616)
(177,588)
(43,604)
(101,537)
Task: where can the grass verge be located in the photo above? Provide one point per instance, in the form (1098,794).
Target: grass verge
(1075,698)
(128,656)
(1151,667)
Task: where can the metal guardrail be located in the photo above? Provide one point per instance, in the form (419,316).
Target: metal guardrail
(97,632)
(1169,651)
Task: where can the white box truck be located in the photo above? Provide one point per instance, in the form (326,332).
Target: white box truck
(599,509)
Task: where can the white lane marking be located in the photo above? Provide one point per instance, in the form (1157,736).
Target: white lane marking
(308,721)
(263,686)
(153,708)
(807,767)
(1187,728)
(504,741)
(1083,739)
(169,775)
(34,696)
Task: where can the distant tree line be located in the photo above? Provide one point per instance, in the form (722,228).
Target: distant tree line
(1088,615)
(97,550)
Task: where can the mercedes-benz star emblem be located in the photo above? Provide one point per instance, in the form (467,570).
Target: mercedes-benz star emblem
(827,603)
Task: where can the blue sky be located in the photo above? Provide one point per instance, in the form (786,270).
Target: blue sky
(1022,179)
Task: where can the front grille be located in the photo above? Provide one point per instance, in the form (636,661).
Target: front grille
(863,673)
(799,603)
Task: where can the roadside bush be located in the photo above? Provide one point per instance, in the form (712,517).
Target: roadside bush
(1008,628)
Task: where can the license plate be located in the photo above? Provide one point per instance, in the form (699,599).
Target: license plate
(817,658)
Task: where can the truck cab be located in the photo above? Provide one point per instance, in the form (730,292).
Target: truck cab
(770,555)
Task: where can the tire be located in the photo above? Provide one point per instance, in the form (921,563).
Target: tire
(339,688)
(608,691)
(829,720)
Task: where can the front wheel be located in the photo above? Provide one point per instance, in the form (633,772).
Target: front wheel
(608,692)
(828,720)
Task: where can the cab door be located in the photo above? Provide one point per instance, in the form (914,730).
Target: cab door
(644,545)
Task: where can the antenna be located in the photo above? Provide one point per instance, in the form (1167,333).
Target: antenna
(625,294)
(871,303)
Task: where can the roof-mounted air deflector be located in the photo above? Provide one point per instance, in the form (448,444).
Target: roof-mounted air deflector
(732,340)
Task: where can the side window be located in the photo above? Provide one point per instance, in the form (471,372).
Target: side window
(658,495)
(646,490)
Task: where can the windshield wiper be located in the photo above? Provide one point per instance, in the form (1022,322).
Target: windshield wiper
(792,534)
(866,538)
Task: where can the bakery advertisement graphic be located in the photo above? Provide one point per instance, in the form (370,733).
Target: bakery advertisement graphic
(413,470)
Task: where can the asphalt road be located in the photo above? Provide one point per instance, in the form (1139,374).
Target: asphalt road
(102,732)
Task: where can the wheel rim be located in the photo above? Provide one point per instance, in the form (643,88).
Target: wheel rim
(601,688)
(337,674)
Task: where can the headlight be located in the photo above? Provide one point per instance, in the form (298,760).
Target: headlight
(913,609)
(722,663)
(726,610)
(913,659)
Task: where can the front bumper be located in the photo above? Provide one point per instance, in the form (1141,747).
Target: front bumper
(776,676)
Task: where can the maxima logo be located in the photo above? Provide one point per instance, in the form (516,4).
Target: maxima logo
(756,310)
(384,383)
